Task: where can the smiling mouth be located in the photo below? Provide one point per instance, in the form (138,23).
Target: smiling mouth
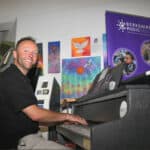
(28,61)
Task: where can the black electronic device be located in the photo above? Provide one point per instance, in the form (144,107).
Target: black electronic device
(143,78)
(55,96)
(117,121)
(48,97)
(55,106)
(107,80)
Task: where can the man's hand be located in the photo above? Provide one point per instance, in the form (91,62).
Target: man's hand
(75,119)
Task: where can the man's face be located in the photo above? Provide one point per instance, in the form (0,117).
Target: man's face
(128,59)
(26,55)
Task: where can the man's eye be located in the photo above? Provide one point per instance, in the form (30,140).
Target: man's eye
(25,50)
(35,52)
(28,51)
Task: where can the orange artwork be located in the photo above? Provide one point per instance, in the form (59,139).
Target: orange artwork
(81,46)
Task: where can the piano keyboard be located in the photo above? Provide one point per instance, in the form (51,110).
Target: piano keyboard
(77,133)
(79,129)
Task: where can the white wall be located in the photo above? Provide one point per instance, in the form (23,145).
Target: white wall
(53,20)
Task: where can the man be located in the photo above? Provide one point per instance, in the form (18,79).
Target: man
(20,116)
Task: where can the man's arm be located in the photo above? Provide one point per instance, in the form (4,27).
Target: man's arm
(47,116)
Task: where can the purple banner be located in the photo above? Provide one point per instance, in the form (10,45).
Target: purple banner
(128,40)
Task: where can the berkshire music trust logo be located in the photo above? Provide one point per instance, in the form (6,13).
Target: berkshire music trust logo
(121,25)
(134,27)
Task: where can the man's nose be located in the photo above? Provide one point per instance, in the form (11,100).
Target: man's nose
(30,54)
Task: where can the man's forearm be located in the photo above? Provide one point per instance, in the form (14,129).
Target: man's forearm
(47,116)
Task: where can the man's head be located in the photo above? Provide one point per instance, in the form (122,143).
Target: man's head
(128,59)
(25,54)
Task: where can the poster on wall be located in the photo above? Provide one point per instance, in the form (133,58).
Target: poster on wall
(40,58)
(78,74)
(104,42)
(128,40)
(96,49)
(81,46)
(54,57)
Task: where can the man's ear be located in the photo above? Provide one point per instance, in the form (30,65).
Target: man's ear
(14,54)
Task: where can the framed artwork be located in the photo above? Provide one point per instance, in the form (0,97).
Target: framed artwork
(78,74)
(81,46)
(40,58)
(54,57)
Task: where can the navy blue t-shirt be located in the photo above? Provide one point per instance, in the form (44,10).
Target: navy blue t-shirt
(16,93)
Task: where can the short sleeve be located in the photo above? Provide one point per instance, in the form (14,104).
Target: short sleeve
(20,95)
